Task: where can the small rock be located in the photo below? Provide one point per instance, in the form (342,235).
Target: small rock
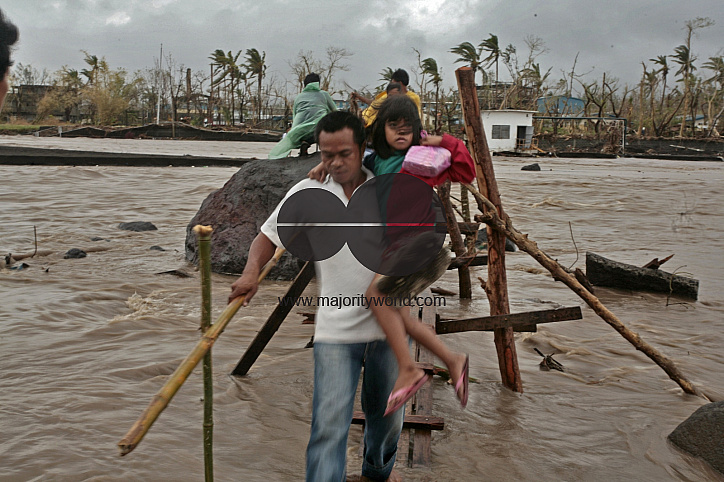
(157,248)
(138,226)
(75,253)
(531,167)
(98,238)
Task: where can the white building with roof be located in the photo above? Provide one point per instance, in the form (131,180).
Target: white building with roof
(508,130)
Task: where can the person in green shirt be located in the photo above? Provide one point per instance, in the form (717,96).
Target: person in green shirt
(310,105)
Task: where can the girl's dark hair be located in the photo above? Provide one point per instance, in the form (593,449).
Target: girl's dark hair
(8,36)
(395,108)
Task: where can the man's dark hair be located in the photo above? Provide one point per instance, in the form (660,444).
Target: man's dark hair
(395,108)
(311,78)
(8,36)
(338,120)
(393,86)
(401,76)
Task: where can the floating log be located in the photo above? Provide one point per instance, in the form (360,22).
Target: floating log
(517,321)
(606,272)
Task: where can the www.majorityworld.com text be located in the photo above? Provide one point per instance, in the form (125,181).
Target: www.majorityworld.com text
(340,301)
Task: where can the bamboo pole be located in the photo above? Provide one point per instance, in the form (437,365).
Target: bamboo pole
(165,394)
(203,234)
(491,218)
(497,286)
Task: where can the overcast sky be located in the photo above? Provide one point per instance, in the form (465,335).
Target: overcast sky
(612,36)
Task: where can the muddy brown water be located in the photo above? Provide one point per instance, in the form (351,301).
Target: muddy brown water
(86,343)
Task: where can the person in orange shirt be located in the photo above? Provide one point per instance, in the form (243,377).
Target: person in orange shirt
(370,113)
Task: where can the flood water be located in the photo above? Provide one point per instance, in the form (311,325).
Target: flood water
(86,343)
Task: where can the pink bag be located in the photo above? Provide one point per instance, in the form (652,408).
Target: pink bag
(426,161)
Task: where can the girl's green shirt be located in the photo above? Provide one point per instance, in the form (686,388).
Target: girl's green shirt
(391,165)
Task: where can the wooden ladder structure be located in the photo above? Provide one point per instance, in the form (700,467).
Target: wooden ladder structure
(414,448)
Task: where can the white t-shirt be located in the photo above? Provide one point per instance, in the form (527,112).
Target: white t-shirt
(342,314)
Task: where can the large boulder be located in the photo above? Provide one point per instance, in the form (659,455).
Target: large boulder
(237,211)
(702,434)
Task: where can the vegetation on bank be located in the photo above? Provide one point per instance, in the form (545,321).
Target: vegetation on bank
(17,128)
(238,90)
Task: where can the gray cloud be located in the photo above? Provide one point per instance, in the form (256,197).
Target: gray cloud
(614,36)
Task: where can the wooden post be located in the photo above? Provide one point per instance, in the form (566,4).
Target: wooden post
(274,321)
(203,234)
(466,290)
(497,285)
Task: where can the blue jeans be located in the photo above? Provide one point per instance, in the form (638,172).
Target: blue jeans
(337,370)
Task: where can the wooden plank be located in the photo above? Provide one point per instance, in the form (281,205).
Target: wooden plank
(602,271)
(497,285)
(489,323)
(422,443)
(274,321)
(411,421)
(479,260)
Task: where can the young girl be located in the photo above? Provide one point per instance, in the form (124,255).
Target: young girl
(396,128)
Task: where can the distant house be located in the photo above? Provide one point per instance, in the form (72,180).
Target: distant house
(561,106)
(700,122)
(23,101)
(508,130)
(342,104)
